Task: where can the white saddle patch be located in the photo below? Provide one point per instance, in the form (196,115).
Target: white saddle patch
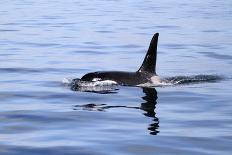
(155,80)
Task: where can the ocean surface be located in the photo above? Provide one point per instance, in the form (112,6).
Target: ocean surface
(43,42)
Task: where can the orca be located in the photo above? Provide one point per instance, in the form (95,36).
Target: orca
(146,74)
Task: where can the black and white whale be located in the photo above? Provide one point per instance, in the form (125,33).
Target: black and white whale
(146,74)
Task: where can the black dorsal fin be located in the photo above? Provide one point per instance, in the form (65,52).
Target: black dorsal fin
(149,62)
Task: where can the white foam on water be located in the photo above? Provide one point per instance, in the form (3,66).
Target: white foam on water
(105,86)
(67,81)
(96,83)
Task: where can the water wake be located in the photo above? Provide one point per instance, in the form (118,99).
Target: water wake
(109,86)
(176,80)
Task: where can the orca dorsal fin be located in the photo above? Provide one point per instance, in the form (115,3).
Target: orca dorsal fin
(149,62)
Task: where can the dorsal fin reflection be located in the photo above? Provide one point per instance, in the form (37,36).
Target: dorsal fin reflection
(148,106)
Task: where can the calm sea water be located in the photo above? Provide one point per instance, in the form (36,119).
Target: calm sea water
(43,42)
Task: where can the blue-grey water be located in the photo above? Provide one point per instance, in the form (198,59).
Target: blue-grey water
(43,42)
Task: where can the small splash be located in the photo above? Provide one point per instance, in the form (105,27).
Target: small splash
(94,83)
(103,87)
(67,81)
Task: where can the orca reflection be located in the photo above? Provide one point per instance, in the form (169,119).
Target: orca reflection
(148,108)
